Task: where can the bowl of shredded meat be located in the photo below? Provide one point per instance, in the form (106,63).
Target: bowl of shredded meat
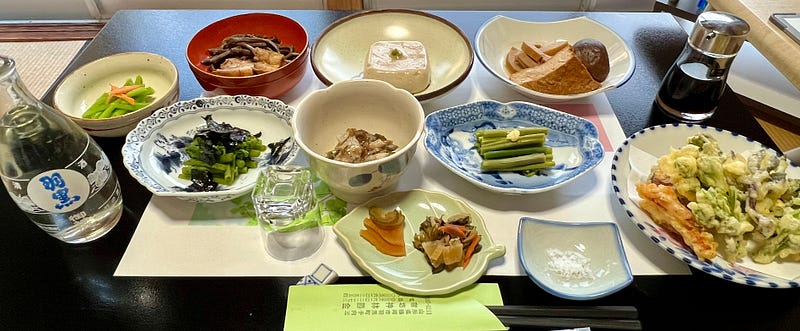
(262,54)
(359,136)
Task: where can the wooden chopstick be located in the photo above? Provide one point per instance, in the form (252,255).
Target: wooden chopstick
(596,317)
(565,322)
(624,312)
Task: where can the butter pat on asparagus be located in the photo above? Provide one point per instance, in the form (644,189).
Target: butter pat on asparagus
(403,64)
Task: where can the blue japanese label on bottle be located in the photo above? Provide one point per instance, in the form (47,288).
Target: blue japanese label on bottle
(59,191)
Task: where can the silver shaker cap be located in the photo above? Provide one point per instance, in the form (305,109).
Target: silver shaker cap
(719,33)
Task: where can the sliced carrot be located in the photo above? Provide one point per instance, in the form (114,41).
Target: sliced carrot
(454,230)
(393,235)
(470,250)
(382,245)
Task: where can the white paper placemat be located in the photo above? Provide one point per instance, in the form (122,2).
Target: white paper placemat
(167,243)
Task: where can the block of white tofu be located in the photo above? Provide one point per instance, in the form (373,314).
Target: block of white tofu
(403,64)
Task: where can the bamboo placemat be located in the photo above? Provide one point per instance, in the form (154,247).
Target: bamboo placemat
(40,63)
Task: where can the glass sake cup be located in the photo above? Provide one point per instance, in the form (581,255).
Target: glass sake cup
(285,204)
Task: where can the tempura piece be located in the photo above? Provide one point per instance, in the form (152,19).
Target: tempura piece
(662,204)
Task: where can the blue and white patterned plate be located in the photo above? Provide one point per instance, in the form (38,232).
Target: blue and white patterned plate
(450,138)
(153,151)
(631,165)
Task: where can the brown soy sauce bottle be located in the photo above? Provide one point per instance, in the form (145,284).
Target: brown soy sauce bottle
(693,86)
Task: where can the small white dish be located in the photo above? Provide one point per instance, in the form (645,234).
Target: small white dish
(573,260)
(153,151)
(450,139)
(79,90)
(500,33)
(631,164)
(341,49)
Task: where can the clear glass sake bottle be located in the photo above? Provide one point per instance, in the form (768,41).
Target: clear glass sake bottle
(52,169)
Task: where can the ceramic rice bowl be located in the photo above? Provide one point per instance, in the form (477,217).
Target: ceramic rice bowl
(370,105)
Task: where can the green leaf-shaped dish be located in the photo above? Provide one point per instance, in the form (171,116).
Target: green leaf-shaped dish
(412,274)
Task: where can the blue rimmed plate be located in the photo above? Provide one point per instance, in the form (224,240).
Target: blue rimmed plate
(412,274)
(631,164)
(450,138)
(153,150)
(573,260)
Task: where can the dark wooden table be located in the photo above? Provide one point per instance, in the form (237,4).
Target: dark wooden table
(46,284)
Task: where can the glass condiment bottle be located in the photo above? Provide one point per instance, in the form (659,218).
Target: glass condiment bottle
(693,86)
(52,169)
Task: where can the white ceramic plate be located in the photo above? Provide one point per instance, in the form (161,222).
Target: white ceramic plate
(450,139)
(153,151)
(412,274)
(500,33)
(341,49)
(553,253)
(632,163)
(79,90)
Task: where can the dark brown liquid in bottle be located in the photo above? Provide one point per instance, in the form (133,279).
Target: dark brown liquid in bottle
(689,89)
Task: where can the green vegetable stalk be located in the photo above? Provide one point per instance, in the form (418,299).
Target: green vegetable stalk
(514,149)
(132,96)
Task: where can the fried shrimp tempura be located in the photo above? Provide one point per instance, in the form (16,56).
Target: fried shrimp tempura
(662,204)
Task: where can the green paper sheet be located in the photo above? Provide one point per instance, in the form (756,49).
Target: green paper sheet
(376,307)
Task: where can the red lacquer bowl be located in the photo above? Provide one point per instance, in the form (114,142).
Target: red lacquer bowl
(270,84)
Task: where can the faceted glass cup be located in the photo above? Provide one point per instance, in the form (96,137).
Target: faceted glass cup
(285,205)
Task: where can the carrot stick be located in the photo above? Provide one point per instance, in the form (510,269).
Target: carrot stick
(454,230)
(470,250)
(123,89)
(120,92)
(126,98)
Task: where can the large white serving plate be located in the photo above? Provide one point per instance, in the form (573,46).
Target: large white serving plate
(500,33)
(153,149)
(632,163)
(450,139)
(412,274)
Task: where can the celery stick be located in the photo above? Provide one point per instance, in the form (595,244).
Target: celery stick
(535,166)
(108,111)
(497,154)
(97,106)
(140,91)
(508,145)
(532,136)
(502,132)
(119,112)
(494,140)
(513,162)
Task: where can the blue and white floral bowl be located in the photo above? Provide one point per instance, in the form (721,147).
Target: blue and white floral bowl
(371,105)
(153,151)
(450,138)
